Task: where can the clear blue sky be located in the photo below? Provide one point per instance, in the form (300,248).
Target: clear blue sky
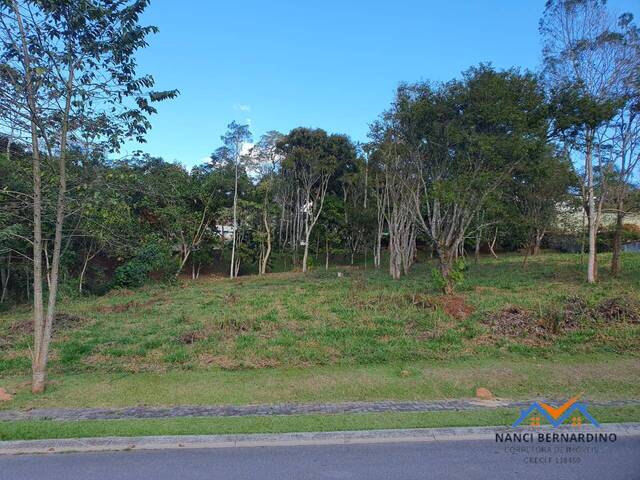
(328,64)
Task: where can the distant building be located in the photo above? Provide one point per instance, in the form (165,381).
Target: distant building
(225,231)
(571,223)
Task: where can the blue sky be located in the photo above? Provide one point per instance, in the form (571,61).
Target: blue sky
(329,64)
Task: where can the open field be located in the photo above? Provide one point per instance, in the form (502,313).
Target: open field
(287,337)
(363,318)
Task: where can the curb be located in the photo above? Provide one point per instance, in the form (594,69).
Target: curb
(287,439)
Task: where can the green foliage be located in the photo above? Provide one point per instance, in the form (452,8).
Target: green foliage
(154,257)
(456,275)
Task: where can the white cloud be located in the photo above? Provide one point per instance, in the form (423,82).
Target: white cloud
(242,107)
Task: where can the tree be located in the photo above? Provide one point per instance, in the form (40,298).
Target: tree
(311,157)
(626,132)
(460,142)
(397,189)
(583,66)
(68,69)
(267,161)
(233,154)
(534,196)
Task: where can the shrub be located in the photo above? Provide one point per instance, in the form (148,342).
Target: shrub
(154,257)
(457,274)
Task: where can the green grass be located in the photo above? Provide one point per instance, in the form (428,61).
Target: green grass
(292,320)
(598,377)
(317,337)
(29,430)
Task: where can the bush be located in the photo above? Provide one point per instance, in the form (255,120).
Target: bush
(153,257)
(457,274)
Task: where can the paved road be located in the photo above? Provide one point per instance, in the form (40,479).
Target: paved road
(465,460)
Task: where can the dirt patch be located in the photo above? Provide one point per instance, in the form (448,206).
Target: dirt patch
(64,321)
(619,309)
(22,327)
(61,321)
(575,311)
(123,307)
(191,337)
(454,306)
(514,321)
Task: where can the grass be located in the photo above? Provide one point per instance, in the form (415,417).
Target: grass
(291,320)
(599,377)
(31,430)
(288,337)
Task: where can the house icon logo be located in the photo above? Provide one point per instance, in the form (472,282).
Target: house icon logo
(556,416)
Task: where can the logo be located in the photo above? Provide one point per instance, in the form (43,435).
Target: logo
(571,409)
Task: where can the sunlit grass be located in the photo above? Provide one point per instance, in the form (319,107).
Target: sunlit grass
(289,319)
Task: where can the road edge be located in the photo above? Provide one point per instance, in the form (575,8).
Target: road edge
(100,444)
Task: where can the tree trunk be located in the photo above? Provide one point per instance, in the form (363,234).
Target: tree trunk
(38,360)
(527,250)
(82,272)
(5,274)
(236,268)
(538,242)
(235,222)
(476,253)
(493,244)
(445,259)
(617,242)
(305,257)
(326,256)
(185,253)
(265,258)
(593,227)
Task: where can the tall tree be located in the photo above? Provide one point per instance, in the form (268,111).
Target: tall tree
(583,66)
(397,189)
(626,131)
(233,152)
(67,68)
(267,162)
(464,139)
(311,158)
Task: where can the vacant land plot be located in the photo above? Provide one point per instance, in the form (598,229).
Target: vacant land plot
(362,334)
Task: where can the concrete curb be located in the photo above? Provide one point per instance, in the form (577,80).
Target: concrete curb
(288,439)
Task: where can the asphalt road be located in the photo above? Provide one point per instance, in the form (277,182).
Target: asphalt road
(465,460)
